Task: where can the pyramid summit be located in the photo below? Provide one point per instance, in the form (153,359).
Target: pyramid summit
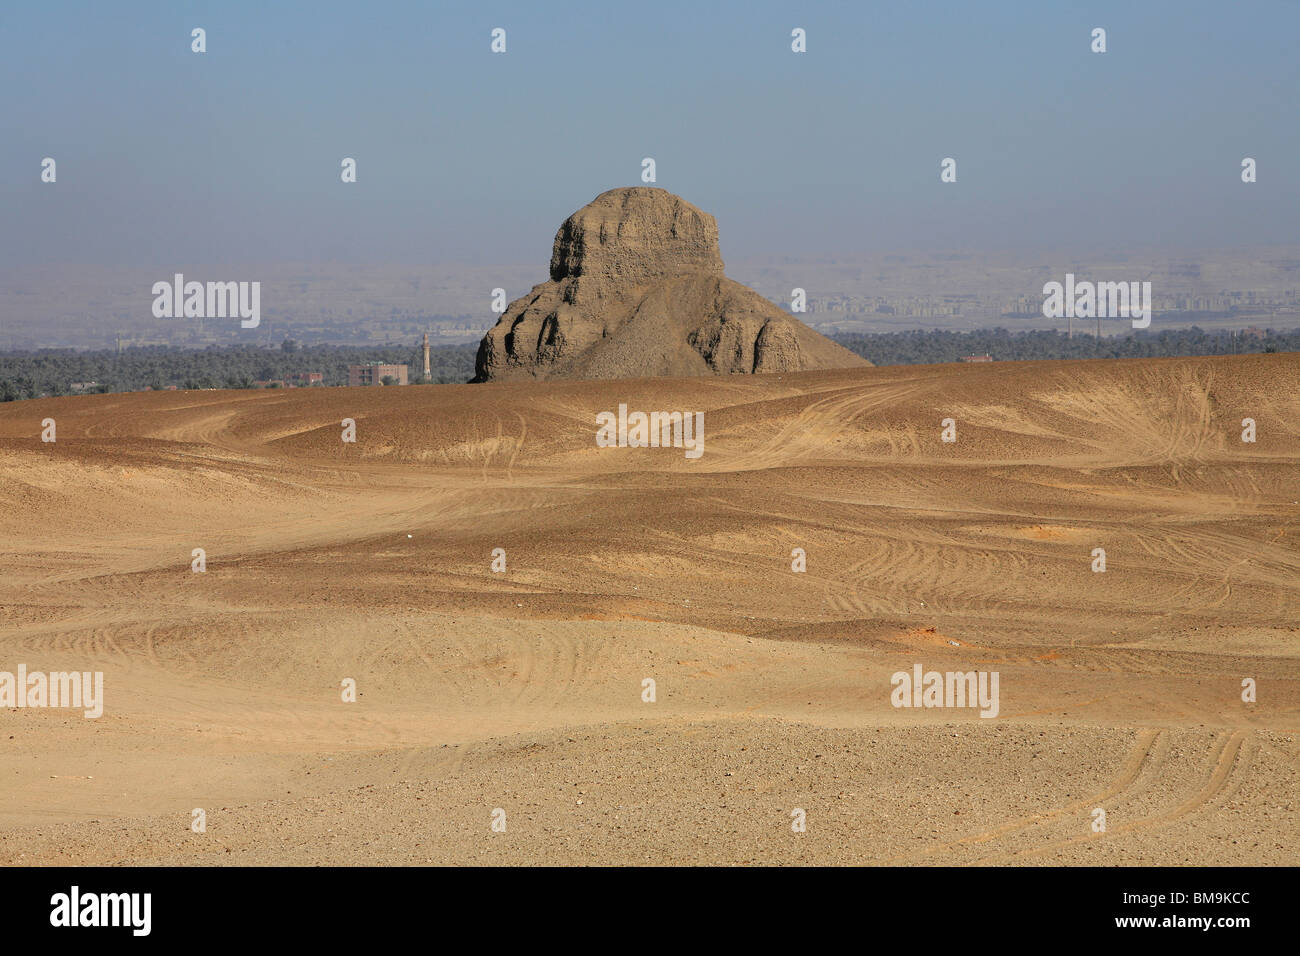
(637,289)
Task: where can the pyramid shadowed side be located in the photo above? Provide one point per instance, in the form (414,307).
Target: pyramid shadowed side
(637,289)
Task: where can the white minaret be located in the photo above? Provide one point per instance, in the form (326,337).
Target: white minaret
(427,372)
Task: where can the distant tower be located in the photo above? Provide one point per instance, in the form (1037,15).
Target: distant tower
(427,372)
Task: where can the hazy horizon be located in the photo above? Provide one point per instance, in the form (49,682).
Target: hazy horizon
(226,164)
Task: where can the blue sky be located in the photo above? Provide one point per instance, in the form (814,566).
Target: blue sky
(233,156)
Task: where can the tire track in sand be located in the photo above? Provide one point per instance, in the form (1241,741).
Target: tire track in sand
(1149,742)
(1226,757)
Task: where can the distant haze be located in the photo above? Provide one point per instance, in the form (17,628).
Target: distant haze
(167,157)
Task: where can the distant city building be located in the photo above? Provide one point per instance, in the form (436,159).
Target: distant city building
(374,373)
(977,358)
(1254,333)
(78,387)
(305,379)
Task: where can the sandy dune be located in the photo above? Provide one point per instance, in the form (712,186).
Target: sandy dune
(522,690)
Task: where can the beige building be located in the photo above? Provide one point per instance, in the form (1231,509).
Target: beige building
(374,373)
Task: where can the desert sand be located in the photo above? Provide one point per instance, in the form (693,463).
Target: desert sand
(522,690)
